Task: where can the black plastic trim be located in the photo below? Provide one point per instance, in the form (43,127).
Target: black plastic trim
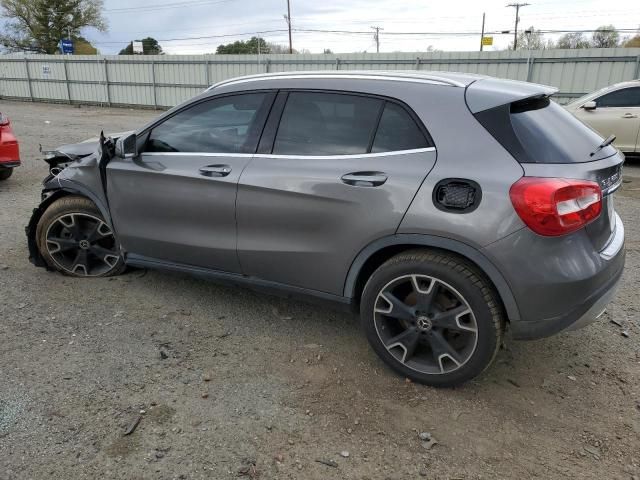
(455,246)
(266,286)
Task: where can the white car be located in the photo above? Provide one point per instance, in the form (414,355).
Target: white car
(613,110)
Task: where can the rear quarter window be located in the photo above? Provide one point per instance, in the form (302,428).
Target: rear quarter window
(539,130)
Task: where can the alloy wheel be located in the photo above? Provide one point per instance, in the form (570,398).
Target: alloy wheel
(82,244)
(425,324)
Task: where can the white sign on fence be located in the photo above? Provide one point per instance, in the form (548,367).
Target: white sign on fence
(46,71)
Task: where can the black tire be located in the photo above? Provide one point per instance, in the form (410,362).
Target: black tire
(74,239)
(477,331)
(5,173)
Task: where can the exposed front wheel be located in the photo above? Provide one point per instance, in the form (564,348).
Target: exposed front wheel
(5,173)
(74,239)
(430,317)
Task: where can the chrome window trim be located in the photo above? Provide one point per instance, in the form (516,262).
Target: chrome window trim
(272,155)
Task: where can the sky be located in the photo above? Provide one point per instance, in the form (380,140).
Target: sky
(442,25)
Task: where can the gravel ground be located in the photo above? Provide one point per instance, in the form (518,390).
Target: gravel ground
(234,383)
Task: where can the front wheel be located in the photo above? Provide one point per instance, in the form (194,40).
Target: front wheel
(432,318)
(74,239)
(5,173)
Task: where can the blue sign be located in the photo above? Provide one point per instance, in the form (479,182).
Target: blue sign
(66,46)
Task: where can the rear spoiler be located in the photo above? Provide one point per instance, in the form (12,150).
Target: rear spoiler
(492,92)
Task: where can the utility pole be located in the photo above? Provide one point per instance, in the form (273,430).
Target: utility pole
(376,37)
(515,32)
(482,34)
(288,18)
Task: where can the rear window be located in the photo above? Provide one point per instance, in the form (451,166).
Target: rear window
(541,131)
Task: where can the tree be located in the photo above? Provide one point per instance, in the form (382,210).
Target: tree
(150,46)
(39,25)
(605,36)
(633,42)
(82,46)
(531,39)
(573,40)
(243,48)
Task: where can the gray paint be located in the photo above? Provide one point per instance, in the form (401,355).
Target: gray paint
(492,92)
(288,220)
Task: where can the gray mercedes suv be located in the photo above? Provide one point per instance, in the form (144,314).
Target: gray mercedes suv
(441,207)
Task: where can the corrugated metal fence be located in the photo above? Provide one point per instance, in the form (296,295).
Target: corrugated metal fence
(165,80)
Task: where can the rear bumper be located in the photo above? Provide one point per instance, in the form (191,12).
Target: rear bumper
(9,164)
(561,283)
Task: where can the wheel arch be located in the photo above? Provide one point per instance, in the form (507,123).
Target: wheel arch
(51,193)
(377,252)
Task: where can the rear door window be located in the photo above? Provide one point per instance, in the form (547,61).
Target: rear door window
(397,131)
(317,123)
(627,97)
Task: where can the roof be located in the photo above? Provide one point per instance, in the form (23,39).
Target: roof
(442,78)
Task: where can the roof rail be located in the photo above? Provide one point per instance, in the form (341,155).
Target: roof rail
(365,75)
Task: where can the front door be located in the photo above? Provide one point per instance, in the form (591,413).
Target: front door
(342,172)
(175,202)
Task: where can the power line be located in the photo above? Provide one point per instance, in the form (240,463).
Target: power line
(164,6)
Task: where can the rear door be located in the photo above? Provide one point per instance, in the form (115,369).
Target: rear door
(616,113)
(176,201)
(336,172)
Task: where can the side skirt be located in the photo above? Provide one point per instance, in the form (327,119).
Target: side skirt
(245,281)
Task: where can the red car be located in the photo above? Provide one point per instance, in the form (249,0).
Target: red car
(9,151)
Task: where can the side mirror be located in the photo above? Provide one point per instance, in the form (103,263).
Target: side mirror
(590,105)
(126,146)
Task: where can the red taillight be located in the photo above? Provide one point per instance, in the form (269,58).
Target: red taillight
(556,206)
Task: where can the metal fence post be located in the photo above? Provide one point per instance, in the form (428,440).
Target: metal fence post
(153,83)
(66,79)
(26,67)
(337,64)
(207,81)
(530,63)
(267,64)
(418,63)
(106,82)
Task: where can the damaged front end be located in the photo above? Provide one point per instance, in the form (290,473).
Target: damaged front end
(78,169)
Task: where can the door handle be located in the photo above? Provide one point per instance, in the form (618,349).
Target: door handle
(215,170)
(364,179)
(629,115)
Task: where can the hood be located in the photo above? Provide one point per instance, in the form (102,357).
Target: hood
(86,147)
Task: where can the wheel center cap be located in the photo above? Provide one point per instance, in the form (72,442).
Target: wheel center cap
(84,244)
(424,323)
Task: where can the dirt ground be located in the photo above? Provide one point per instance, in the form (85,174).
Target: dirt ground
(239,384)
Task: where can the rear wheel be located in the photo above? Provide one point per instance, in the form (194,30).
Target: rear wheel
(74,239)
(5,173)
(430,317)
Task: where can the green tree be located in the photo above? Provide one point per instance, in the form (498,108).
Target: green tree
(573,40)
(633,42)
(82,46)
(38,25)
(150,46)
(605,36)
(240,47)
